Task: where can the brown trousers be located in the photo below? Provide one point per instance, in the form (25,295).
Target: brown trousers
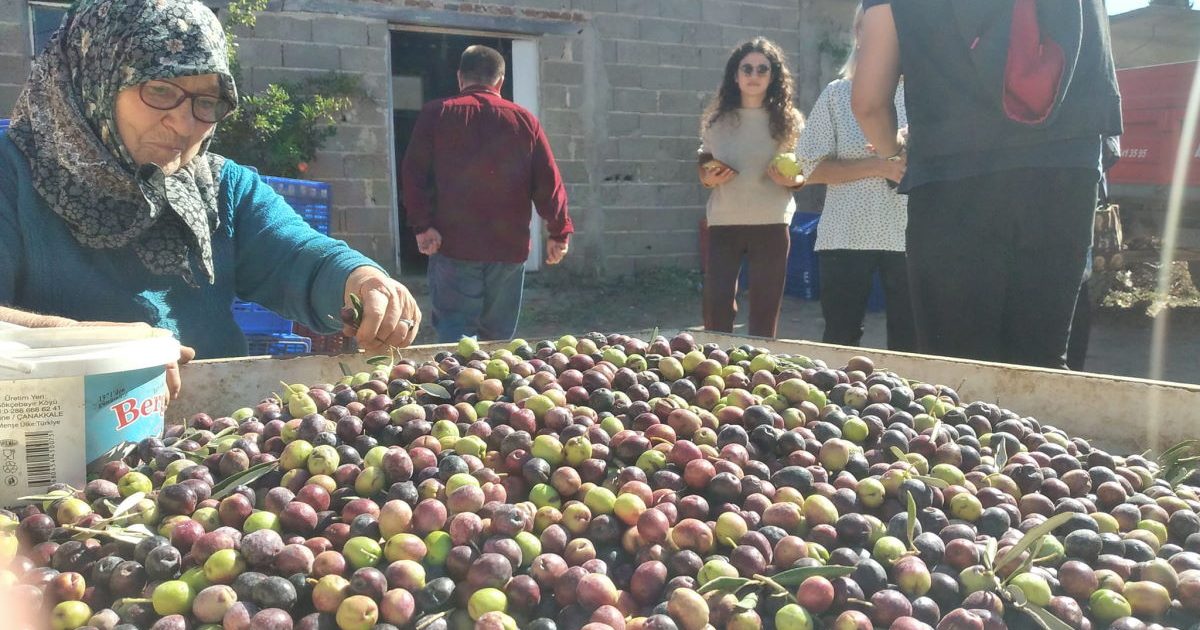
(765,248)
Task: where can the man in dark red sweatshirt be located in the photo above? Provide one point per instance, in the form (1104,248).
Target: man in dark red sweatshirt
(474,165)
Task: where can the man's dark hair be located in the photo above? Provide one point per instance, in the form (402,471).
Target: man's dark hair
(481,65)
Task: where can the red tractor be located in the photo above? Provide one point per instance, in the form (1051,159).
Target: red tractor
(1153,102)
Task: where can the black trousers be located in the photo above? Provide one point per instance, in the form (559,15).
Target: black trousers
(765,249)
(846,279)
(996,262)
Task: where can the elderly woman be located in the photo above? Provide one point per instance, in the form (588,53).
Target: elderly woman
(113,210)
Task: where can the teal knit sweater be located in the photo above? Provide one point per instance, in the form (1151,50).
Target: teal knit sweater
(262,252)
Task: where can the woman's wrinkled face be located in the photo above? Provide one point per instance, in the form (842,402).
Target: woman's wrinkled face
(754,74)
(169,138)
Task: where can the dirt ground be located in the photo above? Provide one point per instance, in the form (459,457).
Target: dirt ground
(670,300)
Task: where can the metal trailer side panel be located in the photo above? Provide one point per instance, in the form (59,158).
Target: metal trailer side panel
(1115,412)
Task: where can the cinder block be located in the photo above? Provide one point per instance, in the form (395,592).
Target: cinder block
(14,38)
(624,75)
(769,17)
(715,56)
(341,30)
(562,122)
(309,55)
(637,53)
(356,139)
(661,77)
(720,12)
(637,7)
(635,100)
(290,28)
(562,72)
(682,9)
(701,33)
(260,52)
(350,192)
(618,26)
(700,79)
(735,35)
(622,124)
(637,148)
(681,102)
(661,31)
(364,59)
(368,220)
(660,125)
(685,56)
(379,35)
(573,172)
(366,167)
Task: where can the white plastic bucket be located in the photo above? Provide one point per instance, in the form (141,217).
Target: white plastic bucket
(70,397)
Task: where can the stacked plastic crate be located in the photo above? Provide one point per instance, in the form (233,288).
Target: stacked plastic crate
(803,266)
(270,333)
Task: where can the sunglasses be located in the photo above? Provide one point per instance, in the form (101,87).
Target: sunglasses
(164,95)
(761,69)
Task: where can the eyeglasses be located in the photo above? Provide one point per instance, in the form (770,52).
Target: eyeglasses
(761,69)
(164,95)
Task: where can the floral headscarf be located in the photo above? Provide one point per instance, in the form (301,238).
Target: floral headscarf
(64,122)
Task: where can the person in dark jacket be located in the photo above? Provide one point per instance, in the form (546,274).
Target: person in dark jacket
(474,164)
(1007,103)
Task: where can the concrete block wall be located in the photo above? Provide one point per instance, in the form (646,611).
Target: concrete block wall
(291,46)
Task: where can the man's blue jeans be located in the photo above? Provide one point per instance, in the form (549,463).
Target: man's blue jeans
(473,298)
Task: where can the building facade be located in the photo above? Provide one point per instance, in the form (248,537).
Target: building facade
(618,85)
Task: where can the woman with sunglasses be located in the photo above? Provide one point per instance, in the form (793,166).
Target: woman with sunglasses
(749,122)
(113,210)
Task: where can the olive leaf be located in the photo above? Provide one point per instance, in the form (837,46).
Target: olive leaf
(119,534)
(128,504)
(1001,456)
(44,497)
(435,390)
(940,484)
(1044,618)
(428,620)
(223,432)
(380,360)
(749,602)
(725,584)
(793,577)
(989,554)
(345,369)
(357,305)
(911,526)
(900,455)
(196,457)
(246,477)
(1032,536)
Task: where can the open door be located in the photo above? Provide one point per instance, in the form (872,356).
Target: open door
(424,63)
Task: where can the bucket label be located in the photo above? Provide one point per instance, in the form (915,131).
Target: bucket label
(41,435)
(55,430)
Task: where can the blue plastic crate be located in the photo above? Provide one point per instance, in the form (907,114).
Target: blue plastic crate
(3,124)
(803,266)
(259,320)
(278,344)
(312,200)
(876,301)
